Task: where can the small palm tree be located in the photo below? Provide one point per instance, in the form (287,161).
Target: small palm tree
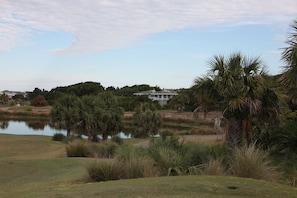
(238,84)
(289,56)
(100,115)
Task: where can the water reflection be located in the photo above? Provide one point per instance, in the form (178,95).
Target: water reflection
(36,127)
(28,128)
(4,124)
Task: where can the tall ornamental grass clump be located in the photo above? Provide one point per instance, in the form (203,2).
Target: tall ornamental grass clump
(78,148)
(104,170)
(213,166)
(138,167)
(136,163)
(250,162)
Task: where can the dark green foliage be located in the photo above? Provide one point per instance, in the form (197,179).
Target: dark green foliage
(80,89)
(283,140)
(58,137)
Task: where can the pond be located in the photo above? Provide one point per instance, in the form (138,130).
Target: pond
(34,128)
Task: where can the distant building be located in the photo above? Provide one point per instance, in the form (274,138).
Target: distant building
(10,94)
(161,96)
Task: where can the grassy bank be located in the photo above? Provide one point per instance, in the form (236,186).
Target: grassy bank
(35,166)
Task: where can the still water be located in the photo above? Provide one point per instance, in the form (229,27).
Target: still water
(34,128)
(23,128)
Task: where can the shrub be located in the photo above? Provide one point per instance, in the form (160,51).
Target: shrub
(199,153)
(117,139)
(103,150)
(77,148)
(58,137)
(169,160)
(250,162)
(104,170)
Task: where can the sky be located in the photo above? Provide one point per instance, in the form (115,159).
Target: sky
(164,43)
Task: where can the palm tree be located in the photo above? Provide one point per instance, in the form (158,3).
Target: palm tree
(289,56)
(100,115)
(147,122)
(238,83)
(65,112)
(90,117)
(111,122)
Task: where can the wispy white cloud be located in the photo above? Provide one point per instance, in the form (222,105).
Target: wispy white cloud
(106,24)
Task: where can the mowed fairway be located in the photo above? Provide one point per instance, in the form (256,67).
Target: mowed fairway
(35,166)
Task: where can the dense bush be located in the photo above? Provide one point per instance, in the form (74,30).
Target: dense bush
(58,137)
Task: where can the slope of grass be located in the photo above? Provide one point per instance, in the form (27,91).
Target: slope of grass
(42,171)
(179,186)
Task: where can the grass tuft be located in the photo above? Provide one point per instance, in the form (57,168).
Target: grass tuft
(250,162)
(78,148)
(104,170)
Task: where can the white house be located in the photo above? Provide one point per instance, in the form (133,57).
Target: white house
(161,96)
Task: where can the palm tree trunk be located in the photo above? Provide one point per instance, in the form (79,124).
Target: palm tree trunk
(234,132)
(246,129)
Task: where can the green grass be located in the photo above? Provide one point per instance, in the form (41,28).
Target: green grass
(35,166)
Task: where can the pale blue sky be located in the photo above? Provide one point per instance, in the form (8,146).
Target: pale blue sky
(165,43)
